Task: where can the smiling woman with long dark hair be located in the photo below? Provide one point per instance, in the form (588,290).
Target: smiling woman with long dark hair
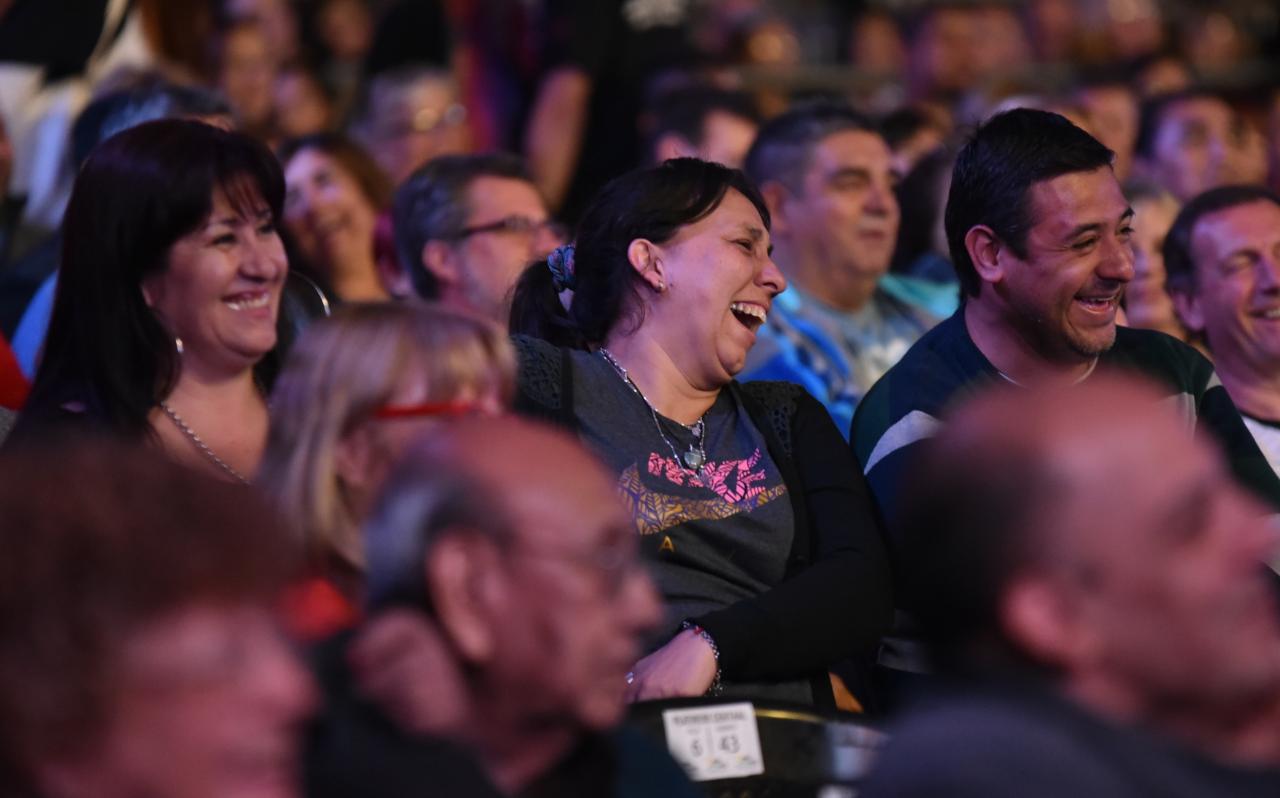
(170,283)
(755,520)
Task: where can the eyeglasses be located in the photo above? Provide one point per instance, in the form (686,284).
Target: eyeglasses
(612,564)
(520,225)
(424,410)
(425,120)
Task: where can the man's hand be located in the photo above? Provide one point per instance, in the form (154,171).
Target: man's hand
(685,666)
(403,666)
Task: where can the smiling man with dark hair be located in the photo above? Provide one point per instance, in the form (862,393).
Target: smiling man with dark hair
(1039,233)
(1223,259)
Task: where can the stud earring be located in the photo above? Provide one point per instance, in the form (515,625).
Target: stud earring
(177,344)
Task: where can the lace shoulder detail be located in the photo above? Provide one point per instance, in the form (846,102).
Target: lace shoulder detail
(538,372)
(779,400)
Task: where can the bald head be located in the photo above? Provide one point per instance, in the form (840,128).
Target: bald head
(482,474)
(1087,531)
(512,535)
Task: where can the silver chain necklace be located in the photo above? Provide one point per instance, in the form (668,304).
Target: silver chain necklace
(201,445)
(696,457)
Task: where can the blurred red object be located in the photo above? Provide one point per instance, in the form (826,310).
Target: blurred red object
(13,385)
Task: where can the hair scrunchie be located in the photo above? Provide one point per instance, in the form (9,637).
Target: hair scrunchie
(560,262)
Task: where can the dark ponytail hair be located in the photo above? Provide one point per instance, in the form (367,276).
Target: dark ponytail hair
(653,204)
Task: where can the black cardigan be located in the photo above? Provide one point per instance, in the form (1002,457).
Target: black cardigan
(836,600)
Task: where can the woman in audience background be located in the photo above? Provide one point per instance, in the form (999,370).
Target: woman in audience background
(751,512)
(354,391)
(170,282)
(334,195)
(1147,302)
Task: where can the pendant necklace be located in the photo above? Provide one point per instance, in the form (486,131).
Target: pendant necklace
(693,459)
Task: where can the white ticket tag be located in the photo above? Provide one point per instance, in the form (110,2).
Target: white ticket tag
(715,742)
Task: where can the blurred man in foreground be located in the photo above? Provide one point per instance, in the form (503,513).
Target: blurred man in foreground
(1091,578)
(507,607)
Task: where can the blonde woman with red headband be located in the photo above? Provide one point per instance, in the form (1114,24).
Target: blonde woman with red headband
(355,390)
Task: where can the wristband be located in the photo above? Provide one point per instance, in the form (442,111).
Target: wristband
(717,686)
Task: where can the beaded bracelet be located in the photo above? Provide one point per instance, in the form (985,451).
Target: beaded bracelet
(716,685)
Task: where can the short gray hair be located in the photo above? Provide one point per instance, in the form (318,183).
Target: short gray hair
(431,205)
(427,495)
(784,147)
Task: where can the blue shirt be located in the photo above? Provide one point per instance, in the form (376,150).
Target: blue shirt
(837,355)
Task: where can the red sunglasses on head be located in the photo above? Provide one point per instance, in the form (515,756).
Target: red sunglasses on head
(424,410)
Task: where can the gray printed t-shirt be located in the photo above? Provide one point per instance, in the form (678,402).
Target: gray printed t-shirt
(710,539)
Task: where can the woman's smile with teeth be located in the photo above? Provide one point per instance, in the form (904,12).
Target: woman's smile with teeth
(755,312)
(248,301)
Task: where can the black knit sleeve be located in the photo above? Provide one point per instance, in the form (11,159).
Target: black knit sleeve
(841,603)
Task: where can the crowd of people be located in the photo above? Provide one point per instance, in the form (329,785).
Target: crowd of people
(397,396)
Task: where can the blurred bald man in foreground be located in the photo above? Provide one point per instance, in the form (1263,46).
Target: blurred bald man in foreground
(1092,581)
(507,604)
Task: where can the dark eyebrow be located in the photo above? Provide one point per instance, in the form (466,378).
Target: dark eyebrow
(1094,227)
(231,221)
(850,171)
(756,234)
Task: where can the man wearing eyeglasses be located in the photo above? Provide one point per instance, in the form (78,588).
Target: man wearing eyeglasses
(466,226)
(507,604)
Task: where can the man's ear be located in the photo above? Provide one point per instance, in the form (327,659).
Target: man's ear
(468,591)
(776,198)
(644,258)
(673,145)
(1186,304)
(987,252)
(1042,622)
(441,261)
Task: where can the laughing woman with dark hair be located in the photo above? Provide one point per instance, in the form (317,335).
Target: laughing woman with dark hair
(170,283)
(755,520)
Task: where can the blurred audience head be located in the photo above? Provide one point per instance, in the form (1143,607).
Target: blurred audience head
(921,249)
(1112,109)
(409,116)
(354,391)
(334,193)
(169,237)
(345,27)
(153,98)
(140,654)
(303,106)
(1185,142)
(912,132)
(512,537)
(1147,301)
(1162,72)
(466,226)
(612,290)
(703,122)
(828,178)
(247,68)
(1095,541)
(277,20)
(1223,258)
(997,172)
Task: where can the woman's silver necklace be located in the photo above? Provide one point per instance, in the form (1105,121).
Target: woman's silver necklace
(695,457)
(201,445)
